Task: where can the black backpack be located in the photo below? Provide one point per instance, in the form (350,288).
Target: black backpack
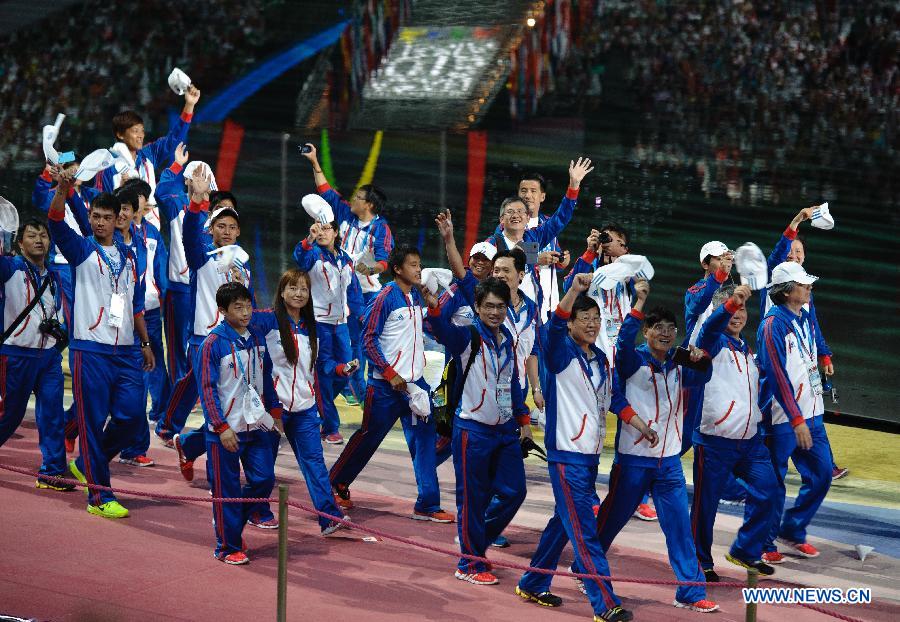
(445,398)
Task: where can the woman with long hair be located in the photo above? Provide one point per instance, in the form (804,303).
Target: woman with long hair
(290,333)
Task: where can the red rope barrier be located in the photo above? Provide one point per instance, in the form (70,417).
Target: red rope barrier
(407,541)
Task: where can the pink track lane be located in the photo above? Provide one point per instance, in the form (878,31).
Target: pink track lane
(61,563)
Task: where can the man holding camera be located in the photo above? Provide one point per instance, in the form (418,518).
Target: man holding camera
(30,361)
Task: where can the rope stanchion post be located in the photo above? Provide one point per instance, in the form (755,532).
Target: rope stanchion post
(752,581)
(282,551)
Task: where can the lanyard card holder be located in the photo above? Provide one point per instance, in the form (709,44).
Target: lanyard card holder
(116,310)
(815,378)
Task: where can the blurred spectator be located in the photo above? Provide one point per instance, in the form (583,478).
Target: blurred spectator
(97,58)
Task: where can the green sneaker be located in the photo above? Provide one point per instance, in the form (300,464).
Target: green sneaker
(110,509)
(350,399)
(78,475)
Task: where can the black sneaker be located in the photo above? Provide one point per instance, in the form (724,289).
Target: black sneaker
(711,575)
(49,482)
(760,566)
(545,599)
(616,614)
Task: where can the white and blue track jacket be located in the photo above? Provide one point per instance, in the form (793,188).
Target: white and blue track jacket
(727,406)
(653,391)
(155,280)
(20,280)
(172,200)
(577,394)
(523,325)
(335,289)
(296,386)
(357,239)
(229,364)
(207,274)
(493,369)
(457,306)
(787,354)
(96,275)
(778,255)
(393,334)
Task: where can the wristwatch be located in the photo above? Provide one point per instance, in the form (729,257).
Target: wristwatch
(145,344)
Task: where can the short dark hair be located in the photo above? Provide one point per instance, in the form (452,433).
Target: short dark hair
(124,120)
(231,292)
(107,201)
(492,285)
(217,196)
(616,228)
(517,255)
(399,254)
(534,177)
(375,196)
(34,223)
(705,261)
(583,303)
(130,196)
(139,186)
(657,315)
(509,201)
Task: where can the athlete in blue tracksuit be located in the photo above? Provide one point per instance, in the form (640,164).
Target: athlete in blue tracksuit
(207,273)
(172,200)
(146,243)
(335,292)
(790,399)
(366,237)
(487,456)
(393,336)
(726,440)
(29,359)
(578,392)
(107,312)
(77,218)
(652,384)
(296,381)
(240,409)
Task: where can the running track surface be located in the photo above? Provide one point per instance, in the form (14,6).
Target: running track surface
(60,563)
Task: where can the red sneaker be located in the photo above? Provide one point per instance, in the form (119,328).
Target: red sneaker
(802,548)
(646,512)
(166,441)
(334,439)
(236,559)
(773,557)
(437,517)
(138,461)
(703,606)
(478,578)
(186,466)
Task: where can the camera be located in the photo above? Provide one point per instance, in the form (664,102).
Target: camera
(605,238)
(52,328)
(307,148)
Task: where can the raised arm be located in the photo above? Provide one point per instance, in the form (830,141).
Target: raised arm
(628,360)
(73,246)
(709,338)
(444,224)
(561,217)
(585,263)
(162,150)
(341,208)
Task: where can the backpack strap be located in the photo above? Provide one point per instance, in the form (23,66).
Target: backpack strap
(474,347)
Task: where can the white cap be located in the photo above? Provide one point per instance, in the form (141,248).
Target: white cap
(714,249)
(98,161)
(179,81)
(821,217)
(751,265)
(789,271)
(205,169)
(230,255)
(318,208)
(220,210)
(433,279)
(488,250)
